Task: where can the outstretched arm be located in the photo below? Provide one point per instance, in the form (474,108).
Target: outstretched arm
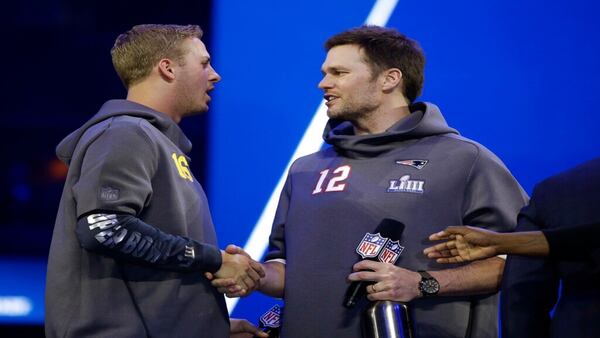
(465,243)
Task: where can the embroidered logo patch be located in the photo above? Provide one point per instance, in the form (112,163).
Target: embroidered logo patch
(405,184)
(109,194)
(418,164)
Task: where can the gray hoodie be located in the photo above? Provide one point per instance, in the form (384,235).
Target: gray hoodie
(131,160)
(419,172)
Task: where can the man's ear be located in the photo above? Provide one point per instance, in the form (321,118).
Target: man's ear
(392,79)
(165,69)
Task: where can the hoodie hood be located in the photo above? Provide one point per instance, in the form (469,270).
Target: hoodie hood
(114,108)
(425,120)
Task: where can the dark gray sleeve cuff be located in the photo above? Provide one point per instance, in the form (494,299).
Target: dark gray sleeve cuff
(208,257)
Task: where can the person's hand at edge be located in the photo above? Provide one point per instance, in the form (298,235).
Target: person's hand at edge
(241,328)
(463,244)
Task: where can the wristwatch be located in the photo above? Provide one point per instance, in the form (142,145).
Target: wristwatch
(428,285)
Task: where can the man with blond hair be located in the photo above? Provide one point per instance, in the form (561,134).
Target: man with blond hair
(134,237)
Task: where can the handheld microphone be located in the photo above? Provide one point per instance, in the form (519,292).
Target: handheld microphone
(270,321)
(383,245)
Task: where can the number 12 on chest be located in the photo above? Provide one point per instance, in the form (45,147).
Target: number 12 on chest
(335,180)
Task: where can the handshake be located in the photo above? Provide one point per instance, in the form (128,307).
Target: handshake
(238,275)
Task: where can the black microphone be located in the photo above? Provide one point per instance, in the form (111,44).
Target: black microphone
(382,245)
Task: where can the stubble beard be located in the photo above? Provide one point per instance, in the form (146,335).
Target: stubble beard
(353,112)
(191,104)
(356,108)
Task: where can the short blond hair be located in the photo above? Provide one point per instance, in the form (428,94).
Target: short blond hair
(138,50)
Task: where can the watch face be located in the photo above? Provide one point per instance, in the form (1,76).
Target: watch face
(430,286)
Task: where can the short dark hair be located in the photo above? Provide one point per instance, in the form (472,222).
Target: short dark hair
(387,48)
(138,50)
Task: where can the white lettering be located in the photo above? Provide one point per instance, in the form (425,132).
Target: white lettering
(406,185)
(101,221)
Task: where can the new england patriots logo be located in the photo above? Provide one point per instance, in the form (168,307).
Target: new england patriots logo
(370,245)
(272,318)
(391,252)
(418,164)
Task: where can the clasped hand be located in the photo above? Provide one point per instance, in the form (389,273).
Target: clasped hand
(238,271)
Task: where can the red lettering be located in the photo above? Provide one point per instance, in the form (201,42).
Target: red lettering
(270,316)
(368,249)
(386,256)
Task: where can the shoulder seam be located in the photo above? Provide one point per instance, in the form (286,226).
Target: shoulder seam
(469,176)
(140,131)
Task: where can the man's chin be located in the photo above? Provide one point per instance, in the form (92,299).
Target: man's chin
(197,111)
(333,114)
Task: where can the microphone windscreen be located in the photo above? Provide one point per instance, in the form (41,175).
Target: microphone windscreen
(390,228)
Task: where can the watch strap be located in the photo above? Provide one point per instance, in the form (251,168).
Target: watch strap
(425,274)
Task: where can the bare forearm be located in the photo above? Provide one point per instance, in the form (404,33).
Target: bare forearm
(475,278)
(273,282)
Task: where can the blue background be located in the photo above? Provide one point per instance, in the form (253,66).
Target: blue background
(520,77)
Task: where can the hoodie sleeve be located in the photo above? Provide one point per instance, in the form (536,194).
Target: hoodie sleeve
(116,171)
(277,237)
(116,178)
(128,238)
(530,285)
(493,197)
(573,241)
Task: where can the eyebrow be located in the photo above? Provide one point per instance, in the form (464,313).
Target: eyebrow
(334,67)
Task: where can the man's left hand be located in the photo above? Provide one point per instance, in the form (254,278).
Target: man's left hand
(390,282)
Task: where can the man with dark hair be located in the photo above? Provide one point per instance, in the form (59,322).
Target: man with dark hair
(390,158)
(384,49)
(134,236)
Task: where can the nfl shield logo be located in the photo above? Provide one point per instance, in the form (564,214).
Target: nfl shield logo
(272,317)
(391,252)
(371,245)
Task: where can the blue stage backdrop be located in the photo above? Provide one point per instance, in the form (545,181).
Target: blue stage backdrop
(520,77)
(22,291)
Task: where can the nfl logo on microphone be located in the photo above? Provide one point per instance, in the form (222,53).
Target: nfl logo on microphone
(272,317)
(371,245)
(391,252)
